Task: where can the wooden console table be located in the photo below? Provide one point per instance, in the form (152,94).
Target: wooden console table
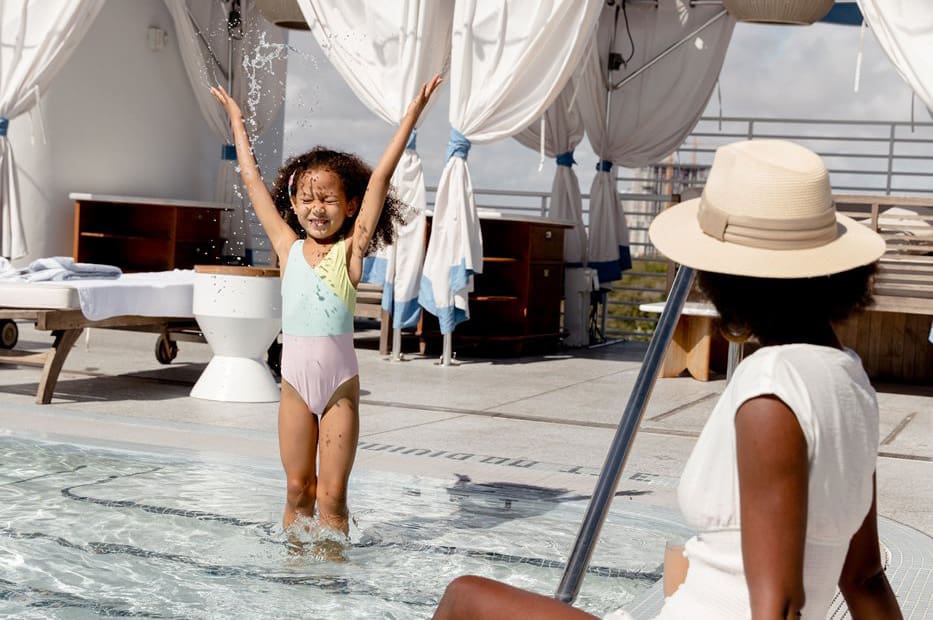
(515,303)
(146,234)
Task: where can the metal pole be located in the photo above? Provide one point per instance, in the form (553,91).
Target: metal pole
(670,49)
(448,350)
(396,343)
(892,137)
(625,434)
(736,353)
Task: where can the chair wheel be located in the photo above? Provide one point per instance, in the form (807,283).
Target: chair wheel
(9,334)
(165,350)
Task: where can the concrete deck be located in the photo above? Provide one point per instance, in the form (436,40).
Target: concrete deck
(540,420)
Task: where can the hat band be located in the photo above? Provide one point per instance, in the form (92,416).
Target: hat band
(767,233)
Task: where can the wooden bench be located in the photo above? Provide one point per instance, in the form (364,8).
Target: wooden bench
(369,305)
(892,337)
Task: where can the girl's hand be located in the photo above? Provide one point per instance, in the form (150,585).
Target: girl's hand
(228,103)
(424,95)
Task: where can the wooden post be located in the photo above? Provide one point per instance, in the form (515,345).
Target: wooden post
(64,340)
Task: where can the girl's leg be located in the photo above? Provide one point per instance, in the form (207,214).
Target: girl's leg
(477,598)
(298,432)
(340,430)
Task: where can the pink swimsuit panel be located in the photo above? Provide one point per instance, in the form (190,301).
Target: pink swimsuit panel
(317,366)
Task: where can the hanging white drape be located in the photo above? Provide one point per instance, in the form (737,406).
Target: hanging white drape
(644,120)
(904,28)
(563,131)
(36,40)
(386,51)
(258,65)
(509,61)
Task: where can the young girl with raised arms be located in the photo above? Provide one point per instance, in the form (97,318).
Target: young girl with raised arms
(326,211)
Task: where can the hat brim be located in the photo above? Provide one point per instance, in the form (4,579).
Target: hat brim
(676,233)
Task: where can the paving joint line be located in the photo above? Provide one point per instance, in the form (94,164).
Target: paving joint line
(564,387)
(679,408)
(486,413)
(897,429)
(410,426)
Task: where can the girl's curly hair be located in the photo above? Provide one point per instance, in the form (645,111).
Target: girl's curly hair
(354,174)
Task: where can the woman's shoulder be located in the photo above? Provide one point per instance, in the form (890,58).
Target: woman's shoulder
(802,356)
(807,378)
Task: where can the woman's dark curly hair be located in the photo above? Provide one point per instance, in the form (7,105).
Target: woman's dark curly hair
(354,174)
(776,310)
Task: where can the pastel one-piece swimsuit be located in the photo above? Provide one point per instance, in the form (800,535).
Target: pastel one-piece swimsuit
(317,325)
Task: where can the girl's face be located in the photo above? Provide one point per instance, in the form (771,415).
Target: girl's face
(321,204)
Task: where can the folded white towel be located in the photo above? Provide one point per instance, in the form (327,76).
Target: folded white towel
(57,268)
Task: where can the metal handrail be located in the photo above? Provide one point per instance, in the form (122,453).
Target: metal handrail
(622,442)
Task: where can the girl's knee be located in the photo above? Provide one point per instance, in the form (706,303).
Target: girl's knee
(300,490)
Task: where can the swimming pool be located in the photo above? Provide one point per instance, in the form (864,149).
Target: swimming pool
(89,532)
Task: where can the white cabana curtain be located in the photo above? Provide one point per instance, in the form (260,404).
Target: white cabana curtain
(385,51)
(904,28)
(509,61)
(259,64)
(36,40)
(644,120)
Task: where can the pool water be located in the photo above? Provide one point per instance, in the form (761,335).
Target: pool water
(87,532)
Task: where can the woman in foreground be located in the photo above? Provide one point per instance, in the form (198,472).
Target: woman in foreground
(780,485)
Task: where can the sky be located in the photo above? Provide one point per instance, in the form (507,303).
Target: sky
(769,71)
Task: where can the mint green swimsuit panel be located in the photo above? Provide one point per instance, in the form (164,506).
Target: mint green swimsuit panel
(317,301)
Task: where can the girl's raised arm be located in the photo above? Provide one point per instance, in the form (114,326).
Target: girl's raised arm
(378,187)
(280,234)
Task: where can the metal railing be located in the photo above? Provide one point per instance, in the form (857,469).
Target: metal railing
(864,157)
(872,157)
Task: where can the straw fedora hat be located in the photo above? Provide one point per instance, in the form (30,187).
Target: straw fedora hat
(766,211)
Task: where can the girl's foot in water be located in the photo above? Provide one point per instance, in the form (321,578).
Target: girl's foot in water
(307,538)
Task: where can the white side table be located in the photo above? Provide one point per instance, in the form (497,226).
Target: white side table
(239,310)
(692,340)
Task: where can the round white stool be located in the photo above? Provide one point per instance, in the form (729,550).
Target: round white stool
(239,310)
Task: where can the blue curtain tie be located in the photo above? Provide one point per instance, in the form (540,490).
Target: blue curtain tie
(604,165)
(4,125)
(458,145)
(566,159)
(412,140)
(228,152)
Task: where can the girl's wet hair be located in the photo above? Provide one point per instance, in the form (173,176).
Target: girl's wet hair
(774,309)
(354,174)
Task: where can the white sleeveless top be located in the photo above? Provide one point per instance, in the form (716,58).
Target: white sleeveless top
(830,394)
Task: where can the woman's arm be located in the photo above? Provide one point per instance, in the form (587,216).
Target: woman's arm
(773,472)
(378,187)
(863,582)
(280,234)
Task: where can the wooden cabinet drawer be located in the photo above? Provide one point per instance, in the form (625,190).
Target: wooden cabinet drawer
(546,243)
(543,310)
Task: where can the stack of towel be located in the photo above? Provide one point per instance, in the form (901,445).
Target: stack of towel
(57,268)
